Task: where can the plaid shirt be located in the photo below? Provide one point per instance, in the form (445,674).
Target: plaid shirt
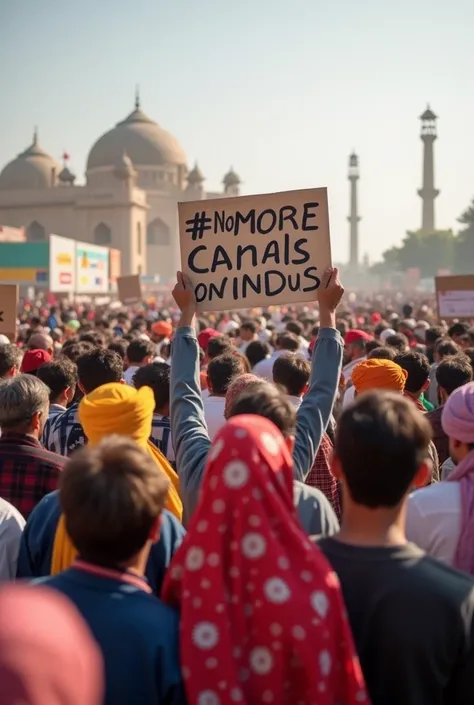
(161,436)
(27,471)
(63,433)
(320,475)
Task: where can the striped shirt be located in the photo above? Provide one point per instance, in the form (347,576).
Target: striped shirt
(161,436)
(63,433)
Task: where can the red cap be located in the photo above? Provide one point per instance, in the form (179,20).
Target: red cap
(205,336)
(352,336)
(33,359)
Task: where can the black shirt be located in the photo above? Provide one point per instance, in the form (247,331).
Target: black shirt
(412,618)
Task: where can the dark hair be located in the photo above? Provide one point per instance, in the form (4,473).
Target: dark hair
(250,326)
(256,351)
(397,341)
(382,353)
(454,372)
(222,370)
(446,347)
(418,368)
(469,353)
(157,376)
(111,497)
(459,328)
(99,367)
(407,310)
(243,360)
(264,399)
(58,375)
(292,373)
(139,350)
(10,356)
(287,341)
(381,429)
(433,334)
(371,345)
(218,345)
(74,350)
(295,328)
(95,337)
(120,347)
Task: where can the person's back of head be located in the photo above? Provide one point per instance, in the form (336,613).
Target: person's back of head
(98,367)
(433,334)
(445,347)
(218,345)
(119,346)
(257,351)
(451,373)
(371,345)
(95,337)
(417,367)
(140,352)
(262,398)
(41,341)
(407,310)
(457,330)
(24,405)
(248,330)
(381,449)
(10,360)
(295,327)
(381,352)
(74,349)
(157,376)
(112,497)
(287,341)
(222,370)
(469,353)
(292,373)
(398,341)
(60,376)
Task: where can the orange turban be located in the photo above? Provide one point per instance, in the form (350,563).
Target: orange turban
(378,374)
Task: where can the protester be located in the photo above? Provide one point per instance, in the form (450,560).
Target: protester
(285,343)
(220,344)
(292,373)
(257,351)
(354,350)
(41,341)
(32,361)
(60,376)
(417,382)
(112,499)
(161,334)
(10,361)
(221,371)
(64,433)
(432,335)
(443,348)
(120,346)
(247,333)
(440,518)
(248,584)
(457,331)
(27,471)
(399,600)
(11,528)
(139,353)
(157,376)
(47,654)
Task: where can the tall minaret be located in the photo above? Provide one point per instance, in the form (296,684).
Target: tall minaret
(428,192)
(354,218)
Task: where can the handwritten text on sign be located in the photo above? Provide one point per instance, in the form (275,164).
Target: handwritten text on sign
(254,251)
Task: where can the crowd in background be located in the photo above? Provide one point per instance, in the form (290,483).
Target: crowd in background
(268,506)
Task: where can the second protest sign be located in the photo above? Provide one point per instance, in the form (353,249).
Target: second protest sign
(252,251)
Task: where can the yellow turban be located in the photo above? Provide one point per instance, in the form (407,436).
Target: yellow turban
(117,408)
(378,374)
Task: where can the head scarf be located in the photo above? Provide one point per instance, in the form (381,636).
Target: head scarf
(236,388)
(117,408)
(378,374)
(262,617)
(457,421)
(47,654)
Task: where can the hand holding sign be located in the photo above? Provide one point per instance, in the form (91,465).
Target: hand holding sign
(330,294)
(183,294)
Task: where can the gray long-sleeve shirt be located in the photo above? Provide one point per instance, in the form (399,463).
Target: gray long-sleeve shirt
(188,425)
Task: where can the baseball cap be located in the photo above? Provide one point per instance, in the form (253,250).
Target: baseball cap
(205,336)
(352,336)
(33,359)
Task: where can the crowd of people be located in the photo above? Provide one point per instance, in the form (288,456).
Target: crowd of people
(270,506)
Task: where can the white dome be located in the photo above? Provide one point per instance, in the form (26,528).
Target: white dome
(32,169)
(145,143)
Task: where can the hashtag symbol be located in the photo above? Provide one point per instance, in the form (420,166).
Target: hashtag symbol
(198,225)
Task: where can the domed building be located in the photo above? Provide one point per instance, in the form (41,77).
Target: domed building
(136,174)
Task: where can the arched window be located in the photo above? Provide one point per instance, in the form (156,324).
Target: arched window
(102,235)
(157,233)
(35,232)
(139,238)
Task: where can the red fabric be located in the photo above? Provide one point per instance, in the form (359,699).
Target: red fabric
(262,616)
(352,336)
(33,359)
(321,477)
(205,336)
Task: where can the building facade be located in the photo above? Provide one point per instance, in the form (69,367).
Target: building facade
(136,174)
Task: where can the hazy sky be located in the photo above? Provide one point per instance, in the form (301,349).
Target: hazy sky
(282,90)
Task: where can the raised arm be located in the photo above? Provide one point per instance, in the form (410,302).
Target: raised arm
(188,425)
(316,409)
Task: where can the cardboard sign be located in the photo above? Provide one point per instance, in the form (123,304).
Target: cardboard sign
(252,251)
(129,289)
(8,310)
(455,295)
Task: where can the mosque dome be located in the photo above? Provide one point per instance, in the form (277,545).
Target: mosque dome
(142,139)
(32,169)
(195,176)
(231,178)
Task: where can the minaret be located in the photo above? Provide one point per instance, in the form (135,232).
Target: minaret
(428,192)
(354,218)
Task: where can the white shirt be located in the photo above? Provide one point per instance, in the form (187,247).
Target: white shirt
(434,519)
(214,414)
(264,368)
(128,374)
(349,396)
(349,368)
(11,529)
(294,401)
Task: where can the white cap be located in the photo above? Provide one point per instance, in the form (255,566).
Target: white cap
(386,334)
(4,340)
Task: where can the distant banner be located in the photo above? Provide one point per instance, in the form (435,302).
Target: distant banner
(455,295)
(257,250)
(115,266)
(8,310)
(62,264)
(92,269)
